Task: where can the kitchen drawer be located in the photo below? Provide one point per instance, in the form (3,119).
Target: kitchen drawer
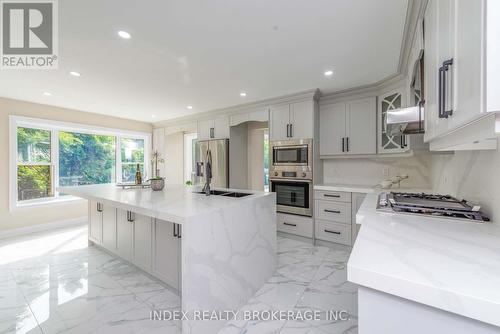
(336,196)
(297,225)
(333,232)
(333,211)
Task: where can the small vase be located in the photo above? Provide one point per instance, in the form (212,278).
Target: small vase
(157,184)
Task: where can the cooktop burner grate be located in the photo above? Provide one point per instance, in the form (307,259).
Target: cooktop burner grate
(431,205)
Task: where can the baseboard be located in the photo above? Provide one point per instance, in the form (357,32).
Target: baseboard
(15,232)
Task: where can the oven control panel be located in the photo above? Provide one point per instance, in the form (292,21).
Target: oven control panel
(292,175)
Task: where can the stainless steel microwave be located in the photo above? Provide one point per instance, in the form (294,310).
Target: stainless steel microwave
(291,152)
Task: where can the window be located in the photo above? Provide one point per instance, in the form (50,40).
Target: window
(132,156)
(49,154)
(190,140)
(34,172)
(86,159)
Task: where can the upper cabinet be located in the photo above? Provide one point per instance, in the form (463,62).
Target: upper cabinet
(292,121)
(217,128)
(461,70)
(387,143)
(348,128)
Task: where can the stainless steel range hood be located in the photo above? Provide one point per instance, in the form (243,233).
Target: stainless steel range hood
(405,120)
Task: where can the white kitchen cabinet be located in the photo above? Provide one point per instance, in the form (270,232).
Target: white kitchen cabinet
(387,143)
(302,120)
(95,222)
(279,117)
(348,128)
(109,227)
(143,242)
(332,129)
(125,234)
(361,127)
(167,252)
(217,128)
(461,68)
(292,121)
(357,200)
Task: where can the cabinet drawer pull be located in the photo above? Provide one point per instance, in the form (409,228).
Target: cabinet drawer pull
(99,207)
(333,232)
(327,195)
(175,230)
(130,216)
(288,224)
(332,211)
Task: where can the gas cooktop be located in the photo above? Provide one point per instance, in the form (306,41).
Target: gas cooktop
(443,206)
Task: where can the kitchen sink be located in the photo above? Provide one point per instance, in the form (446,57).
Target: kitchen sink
(235,194)
(224,193)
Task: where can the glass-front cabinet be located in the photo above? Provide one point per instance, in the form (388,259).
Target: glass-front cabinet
(391,100)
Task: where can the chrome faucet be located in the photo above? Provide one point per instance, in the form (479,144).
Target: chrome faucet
(208,173)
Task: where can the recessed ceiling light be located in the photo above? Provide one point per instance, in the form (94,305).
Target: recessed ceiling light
(328,73)
(47,94)
(75,74)
(189,107)
(243,94)
(124,34)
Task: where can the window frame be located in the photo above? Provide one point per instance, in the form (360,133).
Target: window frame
(55,127)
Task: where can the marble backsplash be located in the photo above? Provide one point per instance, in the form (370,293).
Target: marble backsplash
(370,171)
(472,175)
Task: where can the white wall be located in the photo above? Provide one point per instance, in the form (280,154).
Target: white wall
(472,175)
(365,171)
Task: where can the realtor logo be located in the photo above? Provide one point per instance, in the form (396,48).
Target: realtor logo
(29,34)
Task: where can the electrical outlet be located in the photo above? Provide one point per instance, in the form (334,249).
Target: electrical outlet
(385,171)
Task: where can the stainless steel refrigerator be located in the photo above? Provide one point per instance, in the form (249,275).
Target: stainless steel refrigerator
(220,162)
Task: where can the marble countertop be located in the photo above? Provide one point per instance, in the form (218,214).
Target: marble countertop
(174,203)
(351,188)
(448,264)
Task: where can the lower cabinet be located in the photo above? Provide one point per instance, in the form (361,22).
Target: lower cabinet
(125,234)
(95,222)
(109,227)
(167,252)
(143,242)
(335,216)
(293,224)
(151,244)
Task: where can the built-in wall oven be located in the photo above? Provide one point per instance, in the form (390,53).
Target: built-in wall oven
(291,176)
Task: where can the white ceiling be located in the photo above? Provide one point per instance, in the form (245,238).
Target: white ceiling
(204,53)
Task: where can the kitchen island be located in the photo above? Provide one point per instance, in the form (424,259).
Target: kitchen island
(217,251)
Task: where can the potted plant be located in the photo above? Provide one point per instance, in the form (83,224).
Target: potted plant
(157,182)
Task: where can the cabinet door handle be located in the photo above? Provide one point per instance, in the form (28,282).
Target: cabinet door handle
(288,130)
(332,211)
(288,224)
(343,144)
(99,207)
(328,195)
(175,230)
(179,230)
(130,216)
(291,130)
(347,143)
(443,113)
(333,232)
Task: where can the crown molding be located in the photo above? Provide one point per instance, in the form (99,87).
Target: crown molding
(311,94)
